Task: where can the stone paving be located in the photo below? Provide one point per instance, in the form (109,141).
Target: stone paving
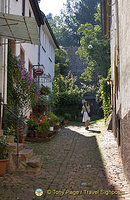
(77,165)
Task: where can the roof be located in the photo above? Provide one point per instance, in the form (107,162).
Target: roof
(21,28)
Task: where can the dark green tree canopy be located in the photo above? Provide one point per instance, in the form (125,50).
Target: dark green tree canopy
(61,61)
(72,16)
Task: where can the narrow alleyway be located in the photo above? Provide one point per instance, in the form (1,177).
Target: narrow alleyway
(77,165)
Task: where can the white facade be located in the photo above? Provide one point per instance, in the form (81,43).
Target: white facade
(120,45)
(47,58)
(47,54)
(33,54)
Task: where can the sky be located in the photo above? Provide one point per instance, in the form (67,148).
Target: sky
(51,6)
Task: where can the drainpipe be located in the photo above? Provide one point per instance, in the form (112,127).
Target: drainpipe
(39,53)
(5,59)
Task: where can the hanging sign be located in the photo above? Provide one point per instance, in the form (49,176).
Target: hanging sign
(38,72)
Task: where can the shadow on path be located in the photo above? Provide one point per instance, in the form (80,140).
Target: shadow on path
(72,168)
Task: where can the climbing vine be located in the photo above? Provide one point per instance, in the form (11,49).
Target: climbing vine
(21,86)
(105,95)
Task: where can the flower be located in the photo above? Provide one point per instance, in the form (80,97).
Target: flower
(31,116)
(44,117)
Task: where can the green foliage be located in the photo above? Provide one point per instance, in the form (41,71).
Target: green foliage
(45,90)
(97,58)
(52,116)
(3,148)
(61,61)
(66,95)
(43,125)
(72,16)
(21,87)
(38,106)
(105,95)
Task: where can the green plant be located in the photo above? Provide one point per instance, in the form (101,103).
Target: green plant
(105,96)
(52,118)
(22,88)
(43,125)
(31,122)
(66,95)
(45,90)
(4,152)
(10,131)
(38,106)
(67,116)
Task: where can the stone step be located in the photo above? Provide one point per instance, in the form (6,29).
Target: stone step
(24,154)
(13,146)
(35,161)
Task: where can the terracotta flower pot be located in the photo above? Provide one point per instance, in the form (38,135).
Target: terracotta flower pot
(57,123)
(23,138)
(3,165)
(66,121)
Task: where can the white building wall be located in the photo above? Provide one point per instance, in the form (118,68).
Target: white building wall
(123,97)
(47,57)
(31,51)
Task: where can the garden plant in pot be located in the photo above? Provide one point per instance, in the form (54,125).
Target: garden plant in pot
(10,133)
(4,154)
(53,119)
(32,125)
(43,127)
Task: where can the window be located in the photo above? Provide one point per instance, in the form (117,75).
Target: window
(22,55)
(23,7)
(13,47)
(30,67)
(29,13)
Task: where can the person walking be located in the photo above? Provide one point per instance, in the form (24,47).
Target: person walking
(85,111)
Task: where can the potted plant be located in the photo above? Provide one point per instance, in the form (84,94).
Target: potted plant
(22,137)
(38,107)
(43,127)
(4,154)
(32,125)
(10,133)
(67,116)
(45,90)
(53,119)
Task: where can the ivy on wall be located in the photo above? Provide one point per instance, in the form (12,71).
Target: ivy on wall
(105,95)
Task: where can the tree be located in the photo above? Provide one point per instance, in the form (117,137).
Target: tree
(49,16)
(98,57)
(61,61)
(66,95)
(72,16)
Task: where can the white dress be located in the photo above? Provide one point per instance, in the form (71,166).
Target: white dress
(85,117)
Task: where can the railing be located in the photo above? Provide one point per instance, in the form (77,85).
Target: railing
(19,121)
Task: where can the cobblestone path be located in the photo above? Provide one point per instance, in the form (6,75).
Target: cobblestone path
(77,165)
